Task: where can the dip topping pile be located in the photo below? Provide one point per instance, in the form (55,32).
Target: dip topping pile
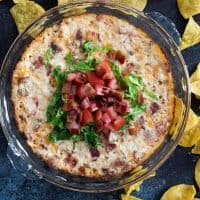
(93,97)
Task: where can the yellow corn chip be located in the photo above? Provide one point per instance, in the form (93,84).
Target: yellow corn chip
(137,4)
(193,120)
(134,187)
(180,192)
(125,197)
(191,137)
(63,1)
(195,88)
(188,8)
(25,12)
(191,35)
(197,173)
(196,74)
(196,148)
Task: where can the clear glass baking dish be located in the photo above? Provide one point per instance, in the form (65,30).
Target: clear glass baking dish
(21,155)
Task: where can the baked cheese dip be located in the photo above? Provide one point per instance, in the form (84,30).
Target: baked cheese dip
(93,96)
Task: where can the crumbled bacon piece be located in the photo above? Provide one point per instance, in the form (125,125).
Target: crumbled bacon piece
(39,62)
(154,107)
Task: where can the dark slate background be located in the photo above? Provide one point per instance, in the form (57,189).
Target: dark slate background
(179,168)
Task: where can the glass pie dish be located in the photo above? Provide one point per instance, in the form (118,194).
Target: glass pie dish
(21,155)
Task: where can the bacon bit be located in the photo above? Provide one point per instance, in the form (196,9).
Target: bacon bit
(36,101)
(55,48)
(110,146)
(140,98)
(91,35)
(49,70)
(117,163)
(22,118)
(81,170)
(21,79)
(112,55)
(99,17)
(136,127)
(80,78)
(74,127)
(128,70)
(70,105)
(85,103)
(154,107)
(94,152)
(66,88)
(71,161)
(120,57)
(161,128)
(79,35)
(39,62)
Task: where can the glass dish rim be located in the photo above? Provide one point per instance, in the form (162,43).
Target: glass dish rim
(172,44)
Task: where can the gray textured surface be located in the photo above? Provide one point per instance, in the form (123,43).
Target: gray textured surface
(179,167)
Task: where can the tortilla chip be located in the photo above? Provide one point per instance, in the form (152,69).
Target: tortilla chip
(197,173)
(136,186)
(60,2)
(25,12)
(196,74)
(191,35)
(137,4)
(191,137)
(132,188)
(188,8)
(196,148)
(179,192)
(195,88)
(124,197)
(192,121)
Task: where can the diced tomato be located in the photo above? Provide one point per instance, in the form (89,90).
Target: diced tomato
(103,68)
(85,103)
(94,79)
(108,76)
(112,113)
(71,77)
(98,115)
(106,118)
(118,123)
(86,117)
(86,91)
(113,84)
(93,106)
